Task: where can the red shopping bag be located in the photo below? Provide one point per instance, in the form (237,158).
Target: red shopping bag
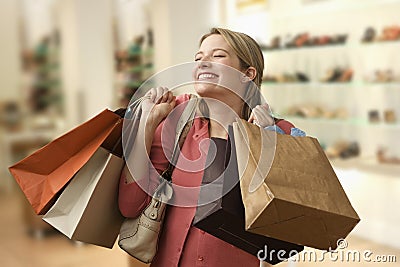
(43,174)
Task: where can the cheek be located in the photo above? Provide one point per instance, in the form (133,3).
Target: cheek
(230,78)
(195,68)
(230,63)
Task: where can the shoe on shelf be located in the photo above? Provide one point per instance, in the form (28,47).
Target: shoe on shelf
(390,33)
(269,79)
(389,116)
(382,157)
(342,38)
(301,77)
(342,113)
(324,40)
(373,116)
(343,149)
(301,39)
(346,75)
(384,76)
(351,150)
(332,75)
(276,42)
(369,35)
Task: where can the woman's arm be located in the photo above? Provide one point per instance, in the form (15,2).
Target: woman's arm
(134,195)
(132,198)
(147,160)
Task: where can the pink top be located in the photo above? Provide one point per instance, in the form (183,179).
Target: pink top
(182,244)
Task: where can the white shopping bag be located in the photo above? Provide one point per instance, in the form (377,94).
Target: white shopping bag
(87,210)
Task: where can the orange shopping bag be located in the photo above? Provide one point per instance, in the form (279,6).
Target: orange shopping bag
(43,174)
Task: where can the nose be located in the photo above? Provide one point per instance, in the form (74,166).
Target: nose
(199,66)
(204,64)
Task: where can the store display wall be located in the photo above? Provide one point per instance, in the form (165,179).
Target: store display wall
(325,74)
(10,64)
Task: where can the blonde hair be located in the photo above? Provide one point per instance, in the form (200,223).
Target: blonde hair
(250,55)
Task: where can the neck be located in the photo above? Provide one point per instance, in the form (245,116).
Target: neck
(223,114)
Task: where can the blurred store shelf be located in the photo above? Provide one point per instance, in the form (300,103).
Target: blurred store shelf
(332,8)
(369,165)
(349,122)
(322,85)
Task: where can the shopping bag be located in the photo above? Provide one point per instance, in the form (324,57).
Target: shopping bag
(87,210)
(290,190)
(43,174)
(221,211)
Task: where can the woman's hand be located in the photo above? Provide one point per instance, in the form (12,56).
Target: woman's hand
(261,116)
(160,103)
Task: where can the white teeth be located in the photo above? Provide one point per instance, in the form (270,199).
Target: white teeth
(207,76)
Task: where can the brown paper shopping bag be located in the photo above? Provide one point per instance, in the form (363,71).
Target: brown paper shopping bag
(43,174)
(289,188)
(87,209)
(224,217)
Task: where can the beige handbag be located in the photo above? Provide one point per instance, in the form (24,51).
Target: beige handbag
(139,236)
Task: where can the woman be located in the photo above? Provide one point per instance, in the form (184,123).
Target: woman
(182,244)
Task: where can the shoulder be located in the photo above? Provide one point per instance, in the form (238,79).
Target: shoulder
(200,125)
(181,103)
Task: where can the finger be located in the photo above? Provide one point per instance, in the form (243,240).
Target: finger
(149,92)
(266,113)
(160,92)
(257,109)
(266,109)
(262,116)
(266,120)
(253,113)
(170,97)
(265,106)
(261,112)
(153,94)
(166,94)
(173,102)
(251,118)
(257,114)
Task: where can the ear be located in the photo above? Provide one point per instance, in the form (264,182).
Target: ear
(251,73)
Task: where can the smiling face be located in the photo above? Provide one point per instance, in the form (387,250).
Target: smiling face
(218,70)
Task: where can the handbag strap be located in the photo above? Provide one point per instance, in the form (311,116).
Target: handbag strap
(182,129)
(131,122)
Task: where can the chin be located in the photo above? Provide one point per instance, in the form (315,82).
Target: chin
(206,90)
(215,92)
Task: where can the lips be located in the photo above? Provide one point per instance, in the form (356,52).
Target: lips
(206,76)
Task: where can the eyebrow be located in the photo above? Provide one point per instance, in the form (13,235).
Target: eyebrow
(215,49)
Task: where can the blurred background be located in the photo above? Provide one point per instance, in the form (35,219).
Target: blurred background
(332,68)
